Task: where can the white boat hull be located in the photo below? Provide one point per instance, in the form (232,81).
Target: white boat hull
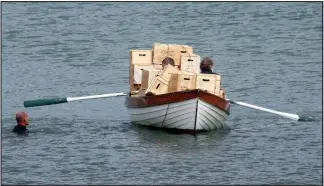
(192,114)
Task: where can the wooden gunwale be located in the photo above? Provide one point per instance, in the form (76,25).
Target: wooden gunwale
(175,97)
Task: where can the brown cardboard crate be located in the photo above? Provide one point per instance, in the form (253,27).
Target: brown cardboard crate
(186,82)
(180,82)
(158,86)
(217,85)
(187,73)
(208,82)
(222,93)
(216,76)
(157,67)
(135,73)
(160,67)
(168,70)
(173,83)
(148,76)
(161,51)
(190,63)
(141,57)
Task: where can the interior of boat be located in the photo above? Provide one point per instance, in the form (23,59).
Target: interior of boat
(149,74)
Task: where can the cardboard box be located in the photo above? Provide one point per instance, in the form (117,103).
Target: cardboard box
(221,93)
(158,86)
(135,73)
(160,67)
(190,63)
(161,51)
(180,82)
(218,86)
(167,71)
(208,82)
(148,76)
(141,57)
(186,82)
(157,67)
(173,83)
(187,73)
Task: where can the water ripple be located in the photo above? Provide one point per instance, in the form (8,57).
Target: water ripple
(270,54)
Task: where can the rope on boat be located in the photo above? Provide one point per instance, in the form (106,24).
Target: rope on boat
(196,117)
(166,112)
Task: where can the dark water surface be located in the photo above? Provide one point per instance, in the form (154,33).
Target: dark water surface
(270,54)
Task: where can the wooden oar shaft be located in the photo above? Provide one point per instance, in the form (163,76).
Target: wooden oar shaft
(284,114)
(95,96)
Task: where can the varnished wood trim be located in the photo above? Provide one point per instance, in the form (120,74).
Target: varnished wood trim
(215,100)
(175,97)
(147,101)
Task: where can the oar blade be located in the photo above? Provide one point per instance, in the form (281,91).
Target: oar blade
(42,102)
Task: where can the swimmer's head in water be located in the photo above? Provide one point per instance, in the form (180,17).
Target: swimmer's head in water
(22,118)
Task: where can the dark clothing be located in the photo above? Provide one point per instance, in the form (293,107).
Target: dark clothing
(19,129)
(207,70)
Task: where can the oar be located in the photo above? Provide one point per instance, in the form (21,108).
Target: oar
(284,114)
(51,101)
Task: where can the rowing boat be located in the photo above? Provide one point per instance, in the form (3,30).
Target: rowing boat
(192,110)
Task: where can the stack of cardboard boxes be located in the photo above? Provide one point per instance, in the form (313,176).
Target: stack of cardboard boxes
(147,75)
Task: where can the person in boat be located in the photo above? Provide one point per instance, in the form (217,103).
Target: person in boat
(206,66)
(22,119)
(166,61)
